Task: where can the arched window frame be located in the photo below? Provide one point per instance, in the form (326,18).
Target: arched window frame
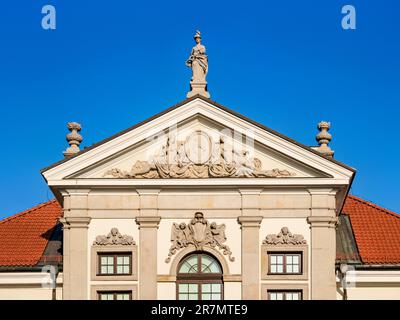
(199,277)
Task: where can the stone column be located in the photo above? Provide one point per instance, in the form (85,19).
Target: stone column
(250,257)
(323,245)
(148,221)
(148,257)
(75,268)
(250,226)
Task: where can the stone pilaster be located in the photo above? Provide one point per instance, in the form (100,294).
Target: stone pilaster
(75,268)
(148,227)
(323,255)
(250,226)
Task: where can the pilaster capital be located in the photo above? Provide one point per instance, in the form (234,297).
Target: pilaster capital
(322,221)
(250,221)
(75,222)
(148,222)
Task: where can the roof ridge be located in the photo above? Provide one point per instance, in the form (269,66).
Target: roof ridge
(20,214)
(375,206)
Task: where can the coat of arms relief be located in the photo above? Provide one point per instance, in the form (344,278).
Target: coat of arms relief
(198,233)
(198,157)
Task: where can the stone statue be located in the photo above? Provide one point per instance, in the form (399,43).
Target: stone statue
(198,62)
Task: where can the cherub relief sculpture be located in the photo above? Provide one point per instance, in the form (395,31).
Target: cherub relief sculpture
(198,233)
(284,237)
(114,237)
(198,157)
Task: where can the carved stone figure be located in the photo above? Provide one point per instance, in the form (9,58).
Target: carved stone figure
(198,62)
(284,237)
(198,233)
(198,157)
(114,238)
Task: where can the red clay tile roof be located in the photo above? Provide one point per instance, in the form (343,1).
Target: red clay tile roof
(376,230)
(24,236)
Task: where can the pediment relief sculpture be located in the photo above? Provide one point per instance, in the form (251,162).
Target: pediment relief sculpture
(284,237)
(114,238)
(198,157)
(199,232)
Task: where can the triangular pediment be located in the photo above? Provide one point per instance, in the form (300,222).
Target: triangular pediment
(197,139)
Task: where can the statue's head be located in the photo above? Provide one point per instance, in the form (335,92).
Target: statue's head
(197,36)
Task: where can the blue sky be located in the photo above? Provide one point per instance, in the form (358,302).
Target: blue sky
(286,64)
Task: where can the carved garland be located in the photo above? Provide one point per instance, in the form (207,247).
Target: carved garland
(199,233)
(284,237)
(114,238)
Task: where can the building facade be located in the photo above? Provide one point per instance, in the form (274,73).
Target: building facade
(199,202)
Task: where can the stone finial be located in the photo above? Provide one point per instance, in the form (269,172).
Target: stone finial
(323,138)
(198,62)
(74,139)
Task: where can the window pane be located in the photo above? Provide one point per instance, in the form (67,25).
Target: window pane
(216,287)
(103,260)
(193,296)
(216,296)
(193,288)
(183,288)
(189,265)
(279,259)
(106,296)
(126,269)
(185,268)
(279,296)
(272,296)
(279,269)
(296,269)
(289,268)
(206,287)
(273,268)
(183,296)
(110,269)
(289,259)
(273,259)
(110,260)
(126,260)
(206,296)
(209,265)
(295,259)
(120,260)
(296,296)
(122,296)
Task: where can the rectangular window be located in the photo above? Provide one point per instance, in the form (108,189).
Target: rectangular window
(115,295)
(285,263)
(115,264)
(284,295)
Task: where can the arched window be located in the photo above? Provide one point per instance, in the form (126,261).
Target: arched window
(199,278)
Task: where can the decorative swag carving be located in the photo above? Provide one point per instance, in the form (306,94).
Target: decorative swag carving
(114,238)
(198,157)
(199,233)
(284,237)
